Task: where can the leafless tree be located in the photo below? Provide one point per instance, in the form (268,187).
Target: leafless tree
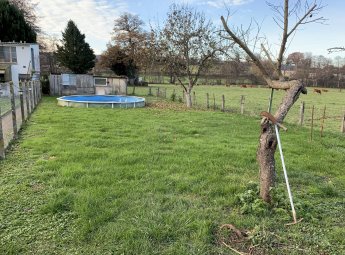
(302,12)
(188,44)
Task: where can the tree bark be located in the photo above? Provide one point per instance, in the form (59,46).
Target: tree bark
(268,142)
(188,96)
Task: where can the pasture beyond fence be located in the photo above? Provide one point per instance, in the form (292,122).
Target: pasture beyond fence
(319,114)
(16,108)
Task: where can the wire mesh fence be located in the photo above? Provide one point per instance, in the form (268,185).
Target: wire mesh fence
(321,115)
(17,102)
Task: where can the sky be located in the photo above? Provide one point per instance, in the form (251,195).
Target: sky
(95,18)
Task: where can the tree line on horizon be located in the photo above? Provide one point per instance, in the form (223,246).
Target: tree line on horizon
(157,55)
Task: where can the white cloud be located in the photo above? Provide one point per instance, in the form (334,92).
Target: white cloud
(94,18)
(215,3)
(222,3)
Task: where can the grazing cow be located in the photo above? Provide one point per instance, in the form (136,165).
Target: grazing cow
(325,90)
(317,91)
(243,86)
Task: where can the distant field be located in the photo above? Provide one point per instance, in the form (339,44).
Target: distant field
(162,180)
(257,100)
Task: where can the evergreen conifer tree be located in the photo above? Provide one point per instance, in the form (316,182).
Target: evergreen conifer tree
(13,26)
(75,53)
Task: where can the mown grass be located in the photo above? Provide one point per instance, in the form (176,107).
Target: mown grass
(257,100)
(160,180)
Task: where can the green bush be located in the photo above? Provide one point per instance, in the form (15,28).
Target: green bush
(45,84)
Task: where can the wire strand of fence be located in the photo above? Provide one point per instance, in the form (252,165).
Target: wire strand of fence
(248,105)
(16,104)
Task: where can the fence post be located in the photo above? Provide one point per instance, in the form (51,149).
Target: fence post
(21,101)
(223,103)
(343,124)
(2,142)
(14,113)
(312,123)
(158,92)
(174,95)
(214,102)
(38,92)
(150,91)
(26,86)
(194,98)
(301,113)
(34,93)
(323,121)
(242,104)
(31,96)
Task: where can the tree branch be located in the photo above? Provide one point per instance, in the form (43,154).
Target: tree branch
(301,21)
(336,49)
(270,60)
(284,39)
(256,61)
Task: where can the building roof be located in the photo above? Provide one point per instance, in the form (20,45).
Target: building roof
(16,43)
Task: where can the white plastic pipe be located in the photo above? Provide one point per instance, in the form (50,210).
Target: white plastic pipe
(285,174)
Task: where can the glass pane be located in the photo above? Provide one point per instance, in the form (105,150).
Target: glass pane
(101,81)
(14,54)
(7,54)
(2,54)
(72,79)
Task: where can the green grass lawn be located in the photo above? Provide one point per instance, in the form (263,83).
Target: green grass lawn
(257,100)
(162,180)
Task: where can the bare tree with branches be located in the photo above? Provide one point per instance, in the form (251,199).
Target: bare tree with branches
(303,12)
(188,43)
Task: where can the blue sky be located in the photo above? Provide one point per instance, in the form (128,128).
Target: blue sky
(95,18)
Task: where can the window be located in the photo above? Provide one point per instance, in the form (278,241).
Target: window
(33,59)
(69,79)
(8,54)
(100,82)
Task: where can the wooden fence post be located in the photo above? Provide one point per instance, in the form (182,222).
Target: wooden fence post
(301,113)
(343,124)
(312,124)
(21,101)
(14,113)
(223,103)
(38,91)
(207,100)
(194,98)
(323,121)
(214,102)
(26,86)
(31,96)
(2,142)
(150,91)
(173,95)
(242,104)
(158,92)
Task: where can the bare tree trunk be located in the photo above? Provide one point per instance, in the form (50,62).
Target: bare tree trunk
(188,96)
(268,142)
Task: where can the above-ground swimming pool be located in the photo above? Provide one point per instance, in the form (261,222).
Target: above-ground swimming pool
(103,101)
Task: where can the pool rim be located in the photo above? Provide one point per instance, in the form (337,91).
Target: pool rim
(101,102)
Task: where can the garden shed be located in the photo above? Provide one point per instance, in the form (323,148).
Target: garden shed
(86,84)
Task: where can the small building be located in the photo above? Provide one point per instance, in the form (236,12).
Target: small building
(86,84)
(110,85)
(19,61)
